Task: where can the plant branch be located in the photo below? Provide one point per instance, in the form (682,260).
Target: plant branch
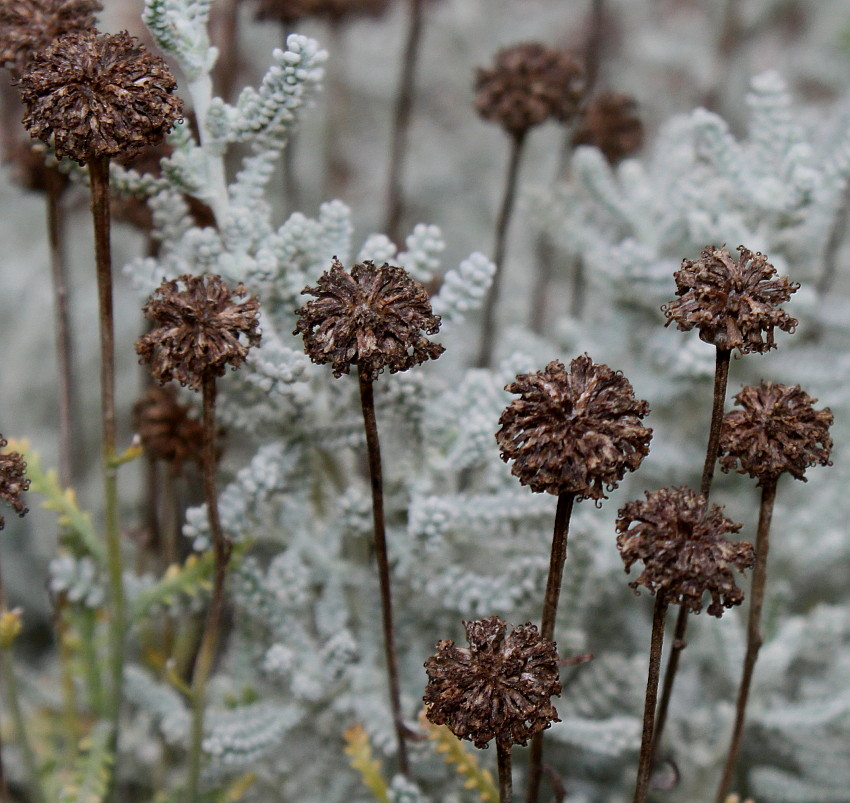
(503,756)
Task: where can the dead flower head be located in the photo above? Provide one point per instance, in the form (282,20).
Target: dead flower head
(776,431)
(333,10)
(166,429)
(201,326)
(611,123)
(374,318)
(13,481)
(528,84)
(576,431)
(95,96)
(497,688)
(28,26)
(683,548)
(735,305)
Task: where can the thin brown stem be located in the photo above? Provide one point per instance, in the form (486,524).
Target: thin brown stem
(222,548)
(754,636)
(337,167)
(503,757)
(837,232)
(488,321)
(401,121)
(61,317)
(721,378)
(227,66)
(557,559)
(373,445)
(647,741)
(291,188)
(4,788)
(594,45)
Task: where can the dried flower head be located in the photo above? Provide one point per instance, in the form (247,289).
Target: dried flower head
(497,688)
(528,84)
(200,329)
(166,429)
(611,123)
(575,431)
(28,26)
(776,431)
(93,96)
(13,481)
(373,317)
(683,548)
(333,10)
(735,305)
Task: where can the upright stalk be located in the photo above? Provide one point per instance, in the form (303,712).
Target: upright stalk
(401,121)
(557,560)
(336,121)
(99,179)
(503,756)
(647,740)
(367,401)
(754,636)
(222,548)
(291,190)
(721,378)
(488,322)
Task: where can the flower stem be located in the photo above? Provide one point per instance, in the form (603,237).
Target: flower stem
(557,560)
(503,756)
(222,548)
(401,121)
(488,322)
(721,378)
(99,179)
(367,402)
(754,636)
(647,741)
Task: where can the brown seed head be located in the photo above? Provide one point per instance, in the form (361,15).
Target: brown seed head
(610,122)
(96,96)
(776,431)
(28,26)
(497,688)
(198,330)
(166,430)
(528,84)
(13,481)
(735,305)
(683,549)
(575,431)
(373,317)
(333,10)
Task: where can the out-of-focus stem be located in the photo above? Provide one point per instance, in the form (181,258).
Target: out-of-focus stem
(337,167)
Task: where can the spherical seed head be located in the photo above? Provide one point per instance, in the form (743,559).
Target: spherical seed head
(776,431)
(96,96)
(28,26)
(575,431)
(374,318)
(497,688)
(166,430)
(528,84)
(333,10)
(611,123)
(735,305)
(683,548)
(201,326)
(13,481)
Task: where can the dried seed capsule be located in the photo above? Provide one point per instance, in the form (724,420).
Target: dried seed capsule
(13,481)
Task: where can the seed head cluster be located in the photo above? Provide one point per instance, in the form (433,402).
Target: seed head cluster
(94,96)
(375,317)
(684,549)
(573,431)
(777,430)
(13,480)
(201,326)
(500,687)
(528,84)
(735,305)
(611,123)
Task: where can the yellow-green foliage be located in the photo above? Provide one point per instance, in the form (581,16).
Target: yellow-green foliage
(90,777)
(359,749)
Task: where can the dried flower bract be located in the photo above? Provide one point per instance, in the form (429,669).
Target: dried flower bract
(735,305)
(528,84)
(497,688)
(374,318)
(199,329)
(683,548)
(776,431)
(13,481)
(575,431)
(95,96)
(611,123)
(28,26)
